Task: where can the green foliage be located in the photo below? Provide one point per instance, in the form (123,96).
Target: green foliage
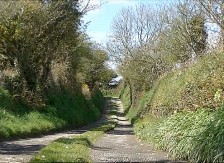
(64,110)
(135,112)
(195,136)
(98,99)
(172,45)
(170,116)
(126,98)
(41,50)
(74,108)
(201,85)
(92,67)
(77,148)
(198,86)
(32,39)
(198,34)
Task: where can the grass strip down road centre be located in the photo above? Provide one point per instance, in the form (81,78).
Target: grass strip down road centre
(76,148)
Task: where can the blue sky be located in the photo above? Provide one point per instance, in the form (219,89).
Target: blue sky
(101,18)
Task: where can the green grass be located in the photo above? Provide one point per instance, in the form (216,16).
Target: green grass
(199,86)
(194,136)
(32,123)
(191,88)
(63,110)
(125,97)
(112,91)
(142,106)
(76,148)
(170,115)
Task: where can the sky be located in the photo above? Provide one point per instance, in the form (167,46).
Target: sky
(100,19)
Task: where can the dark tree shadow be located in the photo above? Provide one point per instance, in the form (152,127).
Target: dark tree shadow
(18,149)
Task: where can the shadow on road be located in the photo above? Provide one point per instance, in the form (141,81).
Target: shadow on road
(17,149)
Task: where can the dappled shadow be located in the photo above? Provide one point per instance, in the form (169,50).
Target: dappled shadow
(75,140)
(77,131)
(82,141)
(117,119)
(17,149)
(123,126)
(121,132)
(100,148)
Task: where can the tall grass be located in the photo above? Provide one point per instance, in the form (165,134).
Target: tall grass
(194,136)
(126,100)
(63,110)
(184,113)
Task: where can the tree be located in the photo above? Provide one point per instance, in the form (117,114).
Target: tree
(214,11)
(93,66)
(134,34)
(33,35)
(198,34)
(192,26)
(148,42)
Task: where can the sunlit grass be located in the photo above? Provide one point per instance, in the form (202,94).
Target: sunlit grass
(76,148)
(195,136)
(183,113)
(18,120)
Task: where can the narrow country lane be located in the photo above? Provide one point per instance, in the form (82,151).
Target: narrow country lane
(23,150)
(120,145)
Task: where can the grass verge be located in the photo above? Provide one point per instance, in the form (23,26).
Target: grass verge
(194,136)
(184,113)
(62,111)
(76,148)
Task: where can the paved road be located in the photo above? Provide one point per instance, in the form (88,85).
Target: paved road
(24,149)
(120,145)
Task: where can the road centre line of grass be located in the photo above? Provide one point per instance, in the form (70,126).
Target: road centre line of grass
(76,148)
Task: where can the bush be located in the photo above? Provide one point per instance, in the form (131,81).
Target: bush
(198,86)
